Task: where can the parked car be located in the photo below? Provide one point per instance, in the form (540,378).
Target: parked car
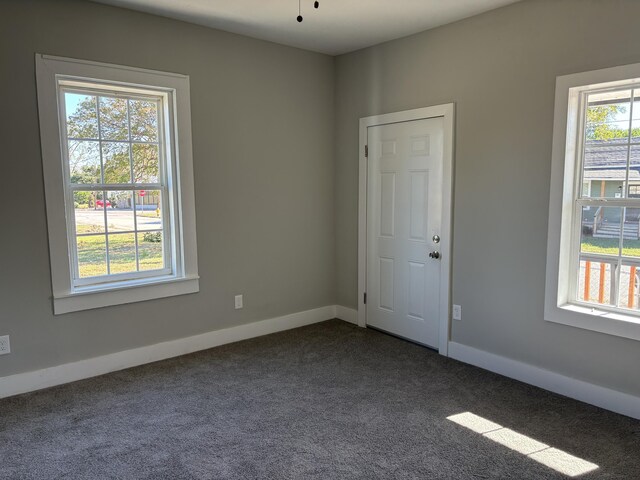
(100,203)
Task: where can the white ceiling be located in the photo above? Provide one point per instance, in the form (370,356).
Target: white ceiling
(338,26)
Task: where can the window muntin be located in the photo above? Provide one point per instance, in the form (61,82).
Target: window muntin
(117,170)
(607,207)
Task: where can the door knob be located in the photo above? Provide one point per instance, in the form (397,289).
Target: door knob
(435,255)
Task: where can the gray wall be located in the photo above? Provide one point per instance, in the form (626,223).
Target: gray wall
(500,69)
(276,173)
(264,174)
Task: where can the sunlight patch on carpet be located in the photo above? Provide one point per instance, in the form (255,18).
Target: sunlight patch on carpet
(540,452)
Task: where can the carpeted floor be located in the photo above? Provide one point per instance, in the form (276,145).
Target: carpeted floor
(326,401)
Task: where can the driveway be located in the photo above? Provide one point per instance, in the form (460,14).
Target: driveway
(119,219)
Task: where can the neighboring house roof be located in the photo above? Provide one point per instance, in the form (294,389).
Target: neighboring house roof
(604,160)
(610,174)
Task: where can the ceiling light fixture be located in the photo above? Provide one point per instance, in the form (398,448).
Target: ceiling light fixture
(316,5)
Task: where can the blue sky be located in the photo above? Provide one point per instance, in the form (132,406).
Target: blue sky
(72,100)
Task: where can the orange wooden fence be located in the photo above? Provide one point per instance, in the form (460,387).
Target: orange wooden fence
(601,283)
(632,286)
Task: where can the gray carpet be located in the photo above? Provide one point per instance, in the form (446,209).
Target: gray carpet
(326,401)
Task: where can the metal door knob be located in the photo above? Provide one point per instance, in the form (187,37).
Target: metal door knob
(435,255)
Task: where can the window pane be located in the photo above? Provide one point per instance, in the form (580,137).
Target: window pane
(605,171)
(629,291)
(84,161)
(122,252)
(596,281)
(82,115)
(150,250)
(601,230)
(144,120)
(608,117)
(120,211)
(634,169)
(92,255)
(114,124)
(88,212)
(145,163)
(148,210)
(630,242)
(635,122)
(117,167)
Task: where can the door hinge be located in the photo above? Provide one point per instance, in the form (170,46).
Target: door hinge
(365,298)
(366,151)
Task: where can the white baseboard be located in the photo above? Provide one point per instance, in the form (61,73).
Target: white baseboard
(606,398)
(347,314)
(92,367)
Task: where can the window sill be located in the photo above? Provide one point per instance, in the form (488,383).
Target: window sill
(127,292)
(602,321)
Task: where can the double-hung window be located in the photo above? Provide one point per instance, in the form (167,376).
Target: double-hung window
(119,183)
(593,264)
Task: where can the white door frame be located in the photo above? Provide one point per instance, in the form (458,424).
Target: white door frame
(447,112)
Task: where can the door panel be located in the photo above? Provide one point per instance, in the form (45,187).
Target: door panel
(419,204)
(387,204)
(416,289)
(404,201)
(387,283)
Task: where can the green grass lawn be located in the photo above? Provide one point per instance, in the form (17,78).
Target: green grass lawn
(609,246)
(80,228)
(122,253)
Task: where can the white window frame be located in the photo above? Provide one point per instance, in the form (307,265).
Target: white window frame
(55,74)
(564,222)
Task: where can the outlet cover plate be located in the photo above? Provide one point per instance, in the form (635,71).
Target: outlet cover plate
(239,302)
(457,312)
(5,346)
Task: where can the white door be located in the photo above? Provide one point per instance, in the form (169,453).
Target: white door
(404,210)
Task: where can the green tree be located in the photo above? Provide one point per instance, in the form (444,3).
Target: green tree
(82,198)
(599,121)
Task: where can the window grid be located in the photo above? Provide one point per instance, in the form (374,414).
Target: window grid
(634,190)
(583,199)
(134,188)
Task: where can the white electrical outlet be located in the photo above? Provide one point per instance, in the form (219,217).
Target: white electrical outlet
(238,302)
(5,346)
(457,312)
